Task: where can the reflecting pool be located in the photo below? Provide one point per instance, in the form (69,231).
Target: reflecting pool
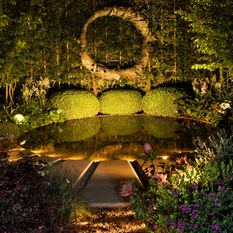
(114,137)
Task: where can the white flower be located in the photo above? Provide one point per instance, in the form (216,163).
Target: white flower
(225,105)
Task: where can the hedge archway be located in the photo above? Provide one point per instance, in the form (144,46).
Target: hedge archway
(141,25)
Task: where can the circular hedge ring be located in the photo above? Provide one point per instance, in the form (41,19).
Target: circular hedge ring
(141,25)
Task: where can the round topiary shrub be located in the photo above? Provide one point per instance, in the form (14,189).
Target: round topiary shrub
(8,130)
(161,127)
(75,103)
(78,130)
(162,101)
(120,102)
(121,125)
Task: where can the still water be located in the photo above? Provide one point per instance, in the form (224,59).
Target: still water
(115,137)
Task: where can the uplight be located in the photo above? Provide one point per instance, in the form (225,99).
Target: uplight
(165,157)
(18,118)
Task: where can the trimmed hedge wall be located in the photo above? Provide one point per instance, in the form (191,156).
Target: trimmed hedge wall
(75,103)
(162,101)
(120,102)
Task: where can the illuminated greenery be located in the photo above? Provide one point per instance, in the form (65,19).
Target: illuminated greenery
(120,102)
(161,101)
(75,103)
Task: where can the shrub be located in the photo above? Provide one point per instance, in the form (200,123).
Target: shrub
(121,125)
(8,130)
(162,101)
(75,103)
(77,130)
(195,198)
(161,127)
(120,102)
(25,203)
(34,199)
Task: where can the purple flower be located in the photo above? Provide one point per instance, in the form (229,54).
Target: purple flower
(147,148)
(212,195)
(227,177)
(175,192)
(150,207)
(185,209)
(195,205)
(195,213)
(203,193)
(155,228)
(172,224)
(194,186)
(195,226)
(164,230)
(169,218)
(180,225)
(220,182)
(215,227)
(222,190)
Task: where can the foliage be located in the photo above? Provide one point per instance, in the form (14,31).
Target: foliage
(26,205)
(219,148)
(195,198)
(9,130)
(211,21)
(121,125)
(69,203)
(162,101)
(77,130)
(211,102)
(161,127)
(75,103)
(120,102)
(34,199)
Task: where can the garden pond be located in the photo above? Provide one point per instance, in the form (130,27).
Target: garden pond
(115,137)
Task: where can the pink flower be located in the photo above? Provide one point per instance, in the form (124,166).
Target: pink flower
(203,89)
(147,148)
(126,188)
(159,177)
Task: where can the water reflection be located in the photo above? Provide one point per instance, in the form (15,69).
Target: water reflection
(114,137)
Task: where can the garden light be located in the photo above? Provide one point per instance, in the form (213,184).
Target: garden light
(18,118)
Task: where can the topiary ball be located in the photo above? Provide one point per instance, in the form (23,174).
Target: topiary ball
(9,130)
(120,102)
(121,125)
(75,103)
(162,101)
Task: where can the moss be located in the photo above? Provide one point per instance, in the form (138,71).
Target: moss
(8,129)
(161,127)
(120,102)
(75,103)
(78,130)
(121,125)
(161,101)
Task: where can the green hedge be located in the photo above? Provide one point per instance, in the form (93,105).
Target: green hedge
(8,130)
(75,103)
(121,125)
(162,101)
(120,102)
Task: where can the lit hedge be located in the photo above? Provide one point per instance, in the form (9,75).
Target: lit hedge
(8,130)
(120,102)
(75,103)
(162,101)
(121,125)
